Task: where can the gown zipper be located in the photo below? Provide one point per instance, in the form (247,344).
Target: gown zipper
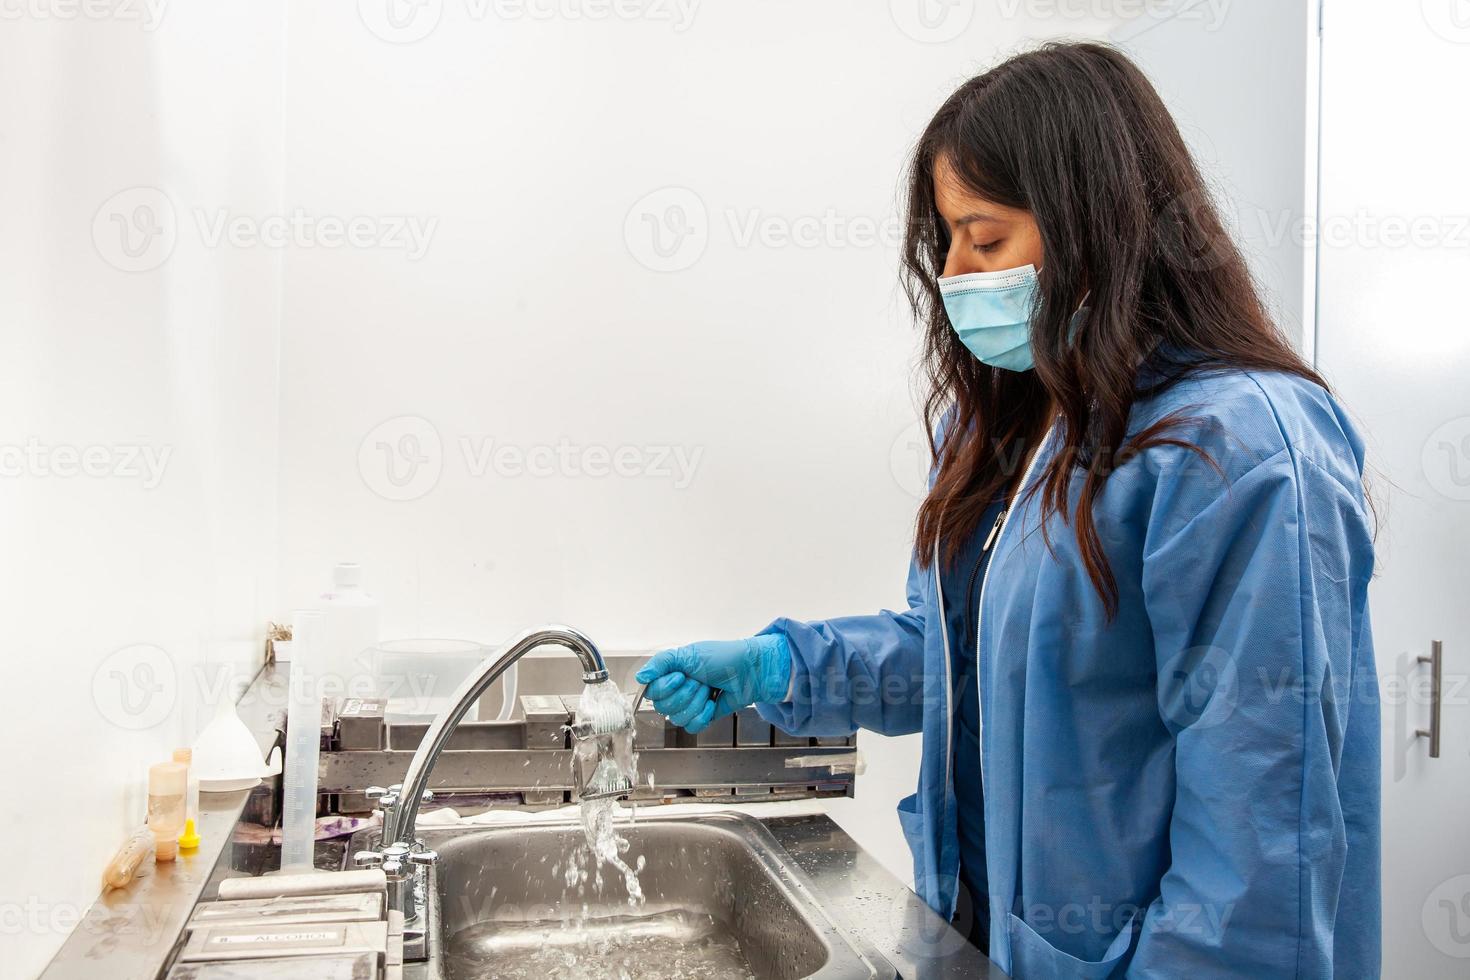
(994,530)
(994,539)
(990,539)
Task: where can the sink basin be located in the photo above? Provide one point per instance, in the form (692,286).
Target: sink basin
(722,899)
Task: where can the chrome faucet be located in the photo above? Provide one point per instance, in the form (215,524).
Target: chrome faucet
(402,856)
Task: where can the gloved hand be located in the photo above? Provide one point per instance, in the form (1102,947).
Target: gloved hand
(757,669)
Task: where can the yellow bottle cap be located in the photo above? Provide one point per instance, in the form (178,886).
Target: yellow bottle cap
(189,839)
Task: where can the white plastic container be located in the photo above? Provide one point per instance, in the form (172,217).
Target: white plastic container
(418,677)
(349,633)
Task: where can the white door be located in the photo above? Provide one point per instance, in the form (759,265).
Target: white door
(1394,337)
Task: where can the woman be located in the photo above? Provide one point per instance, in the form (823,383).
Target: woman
(1138,595)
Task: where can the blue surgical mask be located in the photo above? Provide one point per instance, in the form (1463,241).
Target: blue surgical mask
(991,312)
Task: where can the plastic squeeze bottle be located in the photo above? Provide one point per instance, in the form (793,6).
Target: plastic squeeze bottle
(189,838)
(168,784)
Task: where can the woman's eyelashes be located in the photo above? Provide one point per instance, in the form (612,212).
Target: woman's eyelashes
(985,248)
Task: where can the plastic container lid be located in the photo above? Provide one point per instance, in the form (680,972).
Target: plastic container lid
(347,575)
(189,839)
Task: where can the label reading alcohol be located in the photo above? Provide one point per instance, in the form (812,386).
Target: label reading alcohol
(315,937)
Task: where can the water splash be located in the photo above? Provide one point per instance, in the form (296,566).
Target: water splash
(613,763)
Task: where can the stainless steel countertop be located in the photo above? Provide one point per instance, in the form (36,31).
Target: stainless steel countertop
(129,934)
(864,899)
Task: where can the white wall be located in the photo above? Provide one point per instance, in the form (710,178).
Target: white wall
(1394,338)
(542,151)
(236,325)
(130,579)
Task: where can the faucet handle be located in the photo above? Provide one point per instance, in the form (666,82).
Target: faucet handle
(395,858)
(384,796)
(423,858)
(368,859)
(395,796)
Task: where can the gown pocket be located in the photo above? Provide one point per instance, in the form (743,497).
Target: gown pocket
(1034,958)
(910,819)
(912,822)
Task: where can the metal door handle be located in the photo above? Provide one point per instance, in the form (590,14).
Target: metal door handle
(1435,660)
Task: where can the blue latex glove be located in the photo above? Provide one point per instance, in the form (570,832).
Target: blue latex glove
(681,681)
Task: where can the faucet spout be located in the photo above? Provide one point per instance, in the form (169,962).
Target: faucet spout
(404,860)
(400,817)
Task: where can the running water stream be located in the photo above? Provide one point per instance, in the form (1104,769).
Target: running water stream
(611,759)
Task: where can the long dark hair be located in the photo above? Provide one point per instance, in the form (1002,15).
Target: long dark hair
(1075,135)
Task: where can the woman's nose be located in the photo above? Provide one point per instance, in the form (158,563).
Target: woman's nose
(959,260)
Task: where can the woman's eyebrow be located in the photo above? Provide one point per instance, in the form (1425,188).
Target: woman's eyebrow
(974,217)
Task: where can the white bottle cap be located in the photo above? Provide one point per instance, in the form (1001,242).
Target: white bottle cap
(347,575)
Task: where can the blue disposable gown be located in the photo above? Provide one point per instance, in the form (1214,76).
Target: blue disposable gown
(1191,790)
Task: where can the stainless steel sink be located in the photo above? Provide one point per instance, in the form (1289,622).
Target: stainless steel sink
(722,899)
